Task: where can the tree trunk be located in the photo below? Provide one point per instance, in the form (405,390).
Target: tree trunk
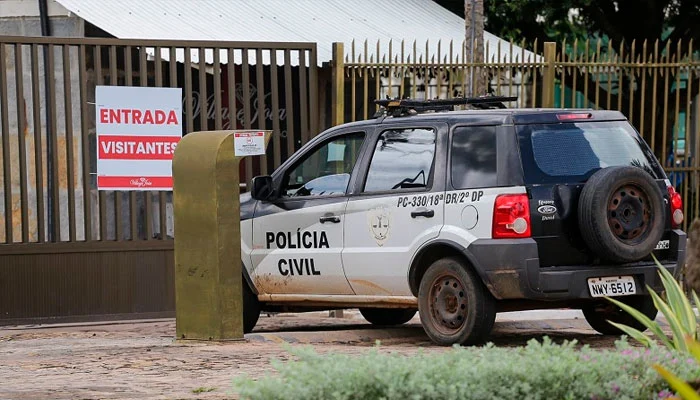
(474,44)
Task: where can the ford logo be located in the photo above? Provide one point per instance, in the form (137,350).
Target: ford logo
(546,209)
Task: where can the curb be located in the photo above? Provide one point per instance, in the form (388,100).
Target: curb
(406,333)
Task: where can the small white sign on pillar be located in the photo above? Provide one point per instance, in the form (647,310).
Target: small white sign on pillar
(248,143)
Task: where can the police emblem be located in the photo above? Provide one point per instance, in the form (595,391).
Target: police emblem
(379,220)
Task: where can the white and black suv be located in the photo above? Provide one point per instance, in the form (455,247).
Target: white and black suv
(460,215)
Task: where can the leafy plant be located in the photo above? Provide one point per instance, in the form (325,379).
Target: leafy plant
(539,370)
(686,391)
(677,310)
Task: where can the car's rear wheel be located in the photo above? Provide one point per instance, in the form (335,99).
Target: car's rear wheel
(251,308)
(599,313)
(455,307)
(387,316)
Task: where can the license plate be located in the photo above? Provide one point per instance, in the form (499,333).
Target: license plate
(612,286)
(662,245)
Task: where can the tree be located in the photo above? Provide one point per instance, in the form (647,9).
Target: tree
(639,20)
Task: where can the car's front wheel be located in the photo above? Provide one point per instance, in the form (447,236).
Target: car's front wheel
(599,313)
(455,307)
(387,316)
(251,308)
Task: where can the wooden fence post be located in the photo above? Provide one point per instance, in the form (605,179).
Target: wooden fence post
(338,84)
(550,55)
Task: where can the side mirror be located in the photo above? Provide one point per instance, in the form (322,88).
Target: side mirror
(262,187)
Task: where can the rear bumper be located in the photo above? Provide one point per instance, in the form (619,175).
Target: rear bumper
(511,270)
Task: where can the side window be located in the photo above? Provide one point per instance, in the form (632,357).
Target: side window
(403,158)
(473,163)
(326,170)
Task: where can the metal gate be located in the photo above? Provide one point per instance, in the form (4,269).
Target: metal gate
(70,252)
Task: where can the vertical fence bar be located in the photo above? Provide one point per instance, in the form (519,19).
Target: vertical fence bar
(632,82)
(133,205)
(218,118)
(313,92)
(117,194)
(274,98)
(353,82)
(565,69)
(521,68)
(288,101)
(7,165)
(597,70)
(677,106)
(162,210)
(21,141)
(687,205)
(203,105)
(621,76)
(245,66)
(53,174)
(510,68)
(85,144)
(188,89)
(172,63)
(550,54)
(38,147)
(535,73)
(303,98)
(365,87)
(664,120)
(338,85)
(450,69)
(102,196)
(231,89)
(655,73)
(143,81)
(644,71)
(260,90)
(70,158)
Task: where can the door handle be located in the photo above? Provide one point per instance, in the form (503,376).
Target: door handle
(423,213)
(329,218)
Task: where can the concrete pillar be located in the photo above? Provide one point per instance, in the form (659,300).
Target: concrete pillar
(208,275)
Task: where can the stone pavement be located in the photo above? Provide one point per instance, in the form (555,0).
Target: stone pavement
(141,359)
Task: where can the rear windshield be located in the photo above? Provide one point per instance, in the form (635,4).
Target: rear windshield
(572,152)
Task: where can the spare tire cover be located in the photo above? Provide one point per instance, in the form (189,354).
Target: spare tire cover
(621,214)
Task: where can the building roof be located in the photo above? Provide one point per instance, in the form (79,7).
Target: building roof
(318,21)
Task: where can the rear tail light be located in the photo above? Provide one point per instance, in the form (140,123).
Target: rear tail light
(676,207)
(511,216)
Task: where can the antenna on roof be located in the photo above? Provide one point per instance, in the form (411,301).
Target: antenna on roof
(401,107)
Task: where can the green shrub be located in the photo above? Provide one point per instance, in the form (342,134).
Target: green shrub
(677,309)
(536,371)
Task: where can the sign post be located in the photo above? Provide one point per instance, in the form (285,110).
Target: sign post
(208,274)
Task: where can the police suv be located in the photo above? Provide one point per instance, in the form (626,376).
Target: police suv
(460,215)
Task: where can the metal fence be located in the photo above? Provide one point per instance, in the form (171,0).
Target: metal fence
(69,250)
(655,87)
(56,224)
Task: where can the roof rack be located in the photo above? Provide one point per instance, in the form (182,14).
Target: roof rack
(401,107)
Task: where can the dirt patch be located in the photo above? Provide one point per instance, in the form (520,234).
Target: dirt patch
(140,360)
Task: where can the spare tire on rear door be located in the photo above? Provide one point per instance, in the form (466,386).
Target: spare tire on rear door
(621,214)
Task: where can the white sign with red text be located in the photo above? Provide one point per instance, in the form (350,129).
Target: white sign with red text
(138,129)
(248,143)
